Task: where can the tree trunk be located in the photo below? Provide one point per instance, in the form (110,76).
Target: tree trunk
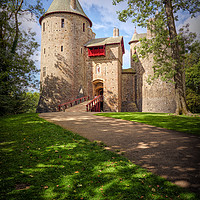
(181,106)
(15,42)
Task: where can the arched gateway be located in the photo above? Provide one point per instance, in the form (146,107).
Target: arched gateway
(97,87)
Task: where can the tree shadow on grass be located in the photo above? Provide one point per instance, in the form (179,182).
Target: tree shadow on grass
(169,121)
(40,160)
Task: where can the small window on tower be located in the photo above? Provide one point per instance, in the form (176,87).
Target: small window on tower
(61,48)
(83,27)
(44,71)
(43,27)
(44,50)
(62,23)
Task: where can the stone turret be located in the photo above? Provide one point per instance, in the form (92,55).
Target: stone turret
(65,30)
(159,96)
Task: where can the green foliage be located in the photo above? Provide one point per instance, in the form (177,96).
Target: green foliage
(25,102)
(192,76)
(193,100)
(187,124)
(42,161)
(167,48)
(17,47)
(139,10)
(31,102)
(152,14)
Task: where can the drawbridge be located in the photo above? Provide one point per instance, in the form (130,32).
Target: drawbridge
(83,104)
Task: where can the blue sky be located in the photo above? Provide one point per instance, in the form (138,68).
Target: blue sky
(104,17)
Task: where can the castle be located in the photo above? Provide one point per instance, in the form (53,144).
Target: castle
(75,64)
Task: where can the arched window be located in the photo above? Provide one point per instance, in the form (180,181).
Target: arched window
(98,69)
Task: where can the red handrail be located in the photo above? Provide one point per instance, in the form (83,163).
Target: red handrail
(95,104)
(76,101)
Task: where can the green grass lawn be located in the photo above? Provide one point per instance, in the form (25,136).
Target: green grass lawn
(187,124)
(42,161)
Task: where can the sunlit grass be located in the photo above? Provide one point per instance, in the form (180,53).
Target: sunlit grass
(42,161)
(187,124)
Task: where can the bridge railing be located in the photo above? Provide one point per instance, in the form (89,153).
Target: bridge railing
(64,106)
(95,104)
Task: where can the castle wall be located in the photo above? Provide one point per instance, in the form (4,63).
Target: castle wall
(138,78)
(63,59)
(128,92)
(159,96)
(110,68)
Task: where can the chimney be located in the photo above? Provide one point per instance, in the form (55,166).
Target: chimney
(117,32)
(73,4)
(114,32)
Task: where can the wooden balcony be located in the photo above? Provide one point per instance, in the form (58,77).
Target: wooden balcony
(96,51)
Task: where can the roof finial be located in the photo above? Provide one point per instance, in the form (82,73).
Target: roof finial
(135,30)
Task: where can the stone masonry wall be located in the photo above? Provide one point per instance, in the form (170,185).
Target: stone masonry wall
(128,92)
(159,96)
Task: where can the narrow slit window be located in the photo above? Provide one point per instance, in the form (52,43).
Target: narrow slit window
(81,50)
(83,27)
(43,27)
(62,23)
(44,50)
(61,48)
(44,71)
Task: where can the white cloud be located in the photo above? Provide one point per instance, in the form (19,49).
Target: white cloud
(98,26)
(194,25)
(88,4)
(29,21)
(108,14)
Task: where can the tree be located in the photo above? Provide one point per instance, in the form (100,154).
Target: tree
(17,68)
(166,45)
(30,102)
(192,75)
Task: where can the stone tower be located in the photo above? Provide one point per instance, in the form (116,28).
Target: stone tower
(65,31)
(157,97)
(105,59)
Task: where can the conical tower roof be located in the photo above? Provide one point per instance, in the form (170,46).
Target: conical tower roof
(136,37)
(64,6)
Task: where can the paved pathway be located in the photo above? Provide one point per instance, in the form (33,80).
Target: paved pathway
(170,154)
